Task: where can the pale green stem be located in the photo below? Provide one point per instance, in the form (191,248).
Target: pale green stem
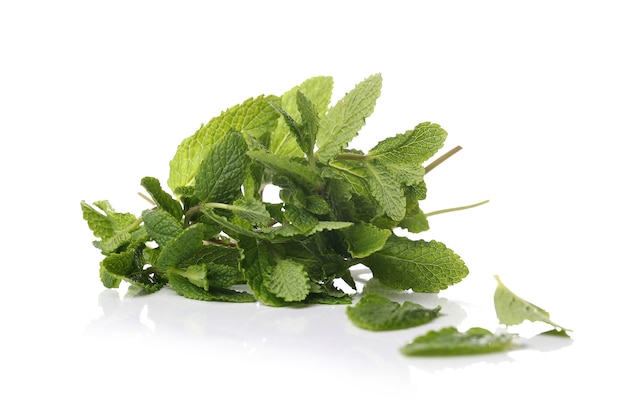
(442,158)
(449,210)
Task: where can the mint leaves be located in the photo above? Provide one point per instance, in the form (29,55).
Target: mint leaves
(215,237)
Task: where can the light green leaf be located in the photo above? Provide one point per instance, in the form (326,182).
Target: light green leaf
(253,117)
(412,147)
(223,170)
(195,274)
(257,262)
(416,264)
(450,342)
(343,121)
(97,221)
(512,310)
(363,239)
(386,191)
(288,280)
(291,168)
(319,91)
(378,313)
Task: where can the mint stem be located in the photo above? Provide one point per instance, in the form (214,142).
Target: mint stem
(442,158)
(351,156)
(448,210)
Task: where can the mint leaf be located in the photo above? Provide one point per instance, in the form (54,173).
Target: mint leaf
(257,263)
(418,265)
(363,239)
(450,342)
(343,121)
(161,198)
(251,210)
(319,91)
(410,148)
(188,290)
(253,117)
(378,313)
(291,168)
(161,226)
(223,170)
(384,188)
(195,274)
(288,280)
(310,124)
(182,247)
(512,310)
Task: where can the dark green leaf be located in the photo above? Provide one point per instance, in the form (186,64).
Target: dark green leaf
(378,313)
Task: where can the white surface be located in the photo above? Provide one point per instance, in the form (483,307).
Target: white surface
(94,97)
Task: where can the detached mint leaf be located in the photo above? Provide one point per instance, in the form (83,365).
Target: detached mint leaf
(412,147)
(223,170)
(416,264)
(512,310)
(253,117)
(450,342)
(288,280)
(343,121)
(378,313)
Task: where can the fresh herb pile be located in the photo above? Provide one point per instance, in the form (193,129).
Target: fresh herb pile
(216,238)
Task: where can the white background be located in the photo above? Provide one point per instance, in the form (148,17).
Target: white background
(96,95)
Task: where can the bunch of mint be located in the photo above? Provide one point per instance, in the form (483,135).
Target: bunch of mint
(216,238)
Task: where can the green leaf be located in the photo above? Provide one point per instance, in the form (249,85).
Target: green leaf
(343,121)
(184,246)
(188,290)
(450,342)
(223,170)
(162,199)
(257,263)
(195,274)
(418,265)
(410,148)
(161,226)
(386,191)
(319,91)
(291,168)
(251,210)
(300,218)
(288,280)
(512,310)
(310,124)
(378,313)
(363,239)
(98,222)
(253,117)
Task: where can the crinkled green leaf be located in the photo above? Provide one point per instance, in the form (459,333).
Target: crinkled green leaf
(161,226)
(386,191)
(184,246)
(251,210)
(195,274)
(300,218)
(188,290)
(291,168)
(416,264)
(345,119)
(253,117)
(223,170)
(319,91)
(257,262)
(450,342)
(288,280)
(378,313)
(410,148)
(162,199)
(310,123)
(363,239)
(512,310)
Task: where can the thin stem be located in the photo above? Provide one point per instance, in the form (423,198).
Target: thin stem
(442,158)
(351,156)
(449,210)
(148,199)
